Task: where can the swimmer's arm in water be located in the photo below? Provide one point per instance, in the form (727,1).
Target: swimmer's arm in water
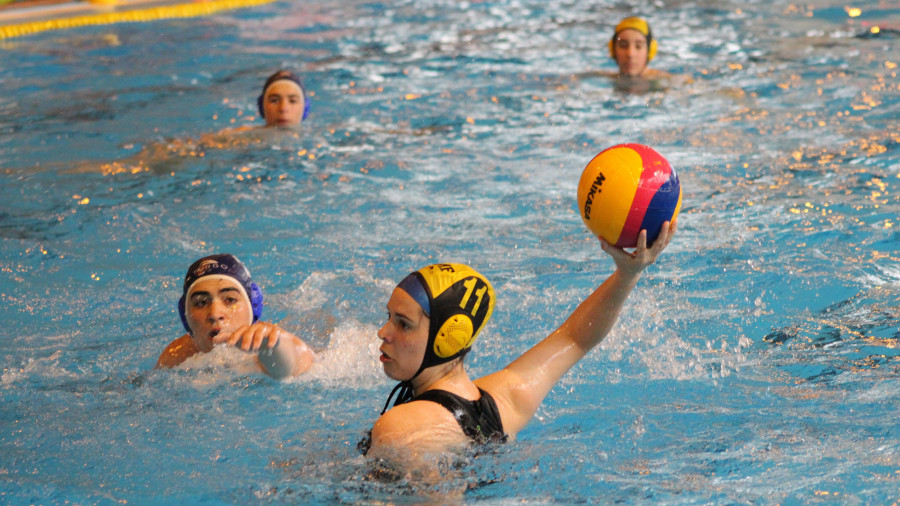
(520,388)
(280,353)
(177,352)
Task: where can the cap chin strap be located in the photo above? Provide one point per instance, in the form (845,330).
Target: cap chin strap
(406,390)
(406,394)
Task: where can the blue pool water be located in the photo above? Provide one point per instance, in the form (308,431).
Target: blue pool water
(757,362)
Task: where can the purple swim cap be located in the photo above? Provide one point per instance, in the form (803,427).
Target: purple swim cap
(278,76)
(221,265)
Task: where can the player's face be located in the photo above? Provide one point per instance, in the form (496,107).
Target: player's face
(214,306)
(283,104)
(404,336)
(631,52)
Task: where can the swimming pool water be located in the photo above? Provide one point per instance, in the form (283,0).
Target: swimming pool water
(755,363)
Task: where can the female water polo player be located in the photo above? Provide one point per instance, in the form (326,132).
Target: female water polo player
(434,315)
(220,305)
(632,46)
(283,101)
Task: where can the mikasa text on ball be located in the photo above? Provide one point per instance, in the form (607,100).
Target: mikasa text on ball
(625,189)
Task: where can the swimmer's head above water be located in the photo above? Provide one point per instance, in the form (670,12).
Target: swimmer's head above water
(632,46)
(221,306)
(457,302)
(283,101)
(226,268)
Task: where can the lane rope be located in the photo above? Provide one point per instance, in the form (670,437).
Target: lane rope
(187,10)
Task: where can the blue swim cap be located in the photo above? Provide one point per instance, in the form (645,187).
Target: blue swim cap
(278,76)
(222,265)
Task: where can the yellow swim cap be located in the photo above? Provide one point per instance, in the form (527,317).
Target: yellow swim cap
(459,302)
(634,23)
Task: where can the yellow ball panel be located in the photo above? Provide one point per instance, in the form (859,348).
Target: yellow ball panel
(606,190)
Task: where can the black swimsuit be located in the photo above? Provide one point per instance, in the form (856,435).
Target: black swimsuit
(479,419)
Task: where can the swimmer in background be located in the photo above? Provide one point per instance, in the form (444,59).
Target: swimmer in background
(633,47)
(221,305)
(283,101)
(434,315)
(283,104)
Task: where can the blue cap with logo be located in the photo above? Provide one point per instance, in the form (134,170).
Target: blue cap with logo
(221,265)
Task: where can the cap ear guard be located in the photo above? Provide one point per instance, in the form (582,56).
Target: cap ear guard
(182,315)
(256,301)
(455,335)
